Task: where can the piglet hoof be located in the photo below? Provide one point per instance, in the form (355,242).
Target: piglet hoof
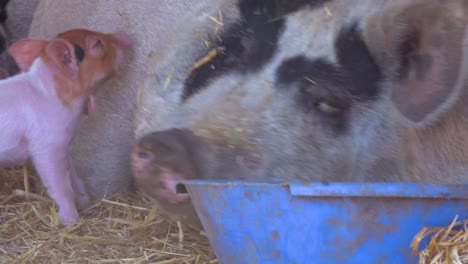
(69,217)
(83,200)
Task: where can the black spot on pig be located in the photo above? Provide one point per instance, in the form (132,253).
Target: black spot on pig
(3,44)
(249,44)
(322,88)
(357,62)
(223,62)
(8,66)
(329,89)
(3,11)
(3,18)
(277,8)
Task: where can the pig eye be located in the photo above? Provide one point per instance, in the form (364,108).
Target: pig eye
(144,154)
(322,100)
(332,111)
(331,105)
(97,44)
(326,107)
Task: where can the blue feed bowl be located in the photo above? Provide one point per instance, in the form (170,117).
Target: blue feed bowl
(263,222)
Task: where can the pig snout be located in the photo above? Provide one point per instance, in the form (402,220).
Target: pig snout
(155,179)
(160,160)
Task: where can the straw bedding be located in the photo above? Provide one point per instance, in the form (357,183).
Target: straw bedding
(447,245)
(119,229)
(125,228)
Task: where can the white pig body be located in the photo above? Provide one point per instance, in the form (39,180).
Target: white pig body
(31,112)
(36,124)
(40,108)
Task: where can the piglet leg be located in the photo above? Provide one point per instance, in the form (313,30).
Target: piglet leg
(52,166)
(81,195)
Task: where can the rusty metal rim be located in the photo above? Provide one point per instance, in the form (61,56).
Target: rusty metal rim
(348,189)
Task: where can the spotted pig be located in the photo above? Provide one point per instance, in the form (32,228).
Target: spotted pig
(306,91)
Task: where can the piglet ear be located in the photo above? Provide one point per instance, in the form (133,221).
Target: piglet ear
(61,53)
(421,50)
(25,51)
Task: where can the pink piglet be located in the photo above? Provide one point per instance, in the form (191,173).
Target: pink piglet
(41,106)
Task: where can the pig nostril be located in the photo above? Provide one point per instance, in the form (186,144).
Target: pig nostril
(181,189)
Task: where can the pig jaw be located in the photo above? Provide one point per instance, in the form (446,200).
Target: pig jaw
(158,184)
(161,160)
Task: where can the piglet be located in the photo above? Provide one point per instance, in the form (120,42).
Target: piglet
(40,107)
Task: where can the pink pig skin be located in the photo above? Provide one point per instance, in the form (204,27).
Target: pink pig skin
(39,116)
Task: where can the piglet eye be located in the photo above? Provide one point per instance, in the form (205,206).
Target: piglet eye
(97,44)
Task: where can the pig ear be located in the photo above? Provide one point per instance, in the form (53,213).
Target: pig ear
(421,50)
(59,51)
(25,51)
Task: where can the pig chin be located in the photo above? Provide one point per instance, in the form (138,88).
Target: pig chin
(162,159)
(163,191)
(159,187)
(157,182)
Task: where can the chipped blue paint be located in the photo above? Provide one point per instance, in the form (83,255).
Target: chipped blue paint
(258,222)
